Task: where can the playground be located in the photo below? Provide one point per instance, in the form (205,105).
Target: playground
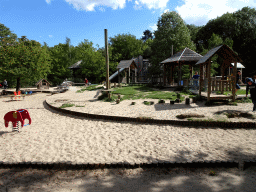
(68,138)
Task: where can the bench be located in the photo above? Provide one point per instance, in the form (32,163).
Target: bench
(13,96)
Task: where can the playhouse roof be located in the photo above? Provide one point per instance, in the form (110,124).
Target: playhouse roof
(126,64)
(42,80)
(76,65)
(223,51)
(184,55)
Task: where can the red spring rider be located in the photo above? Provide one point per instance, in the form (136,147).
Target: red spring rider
(15,116)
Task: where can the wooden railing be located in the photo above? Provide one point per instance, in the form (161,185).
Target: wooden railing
(221,85)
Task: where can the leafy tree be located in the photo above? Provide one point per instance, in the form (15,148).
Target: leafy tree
(93,63)
(6,36)
(171,31)
(125,46)
(193,29)
(147,34)
(147,51)
(26,60)
(240,27)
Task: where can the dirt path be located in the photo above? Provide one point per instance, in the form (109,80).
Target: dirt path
(155,179)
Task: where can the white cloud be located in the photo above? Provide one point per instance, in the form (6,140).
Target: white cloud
(152,4)
(153,27)
(89,5)
(50,36)
(200,11)
(166,10)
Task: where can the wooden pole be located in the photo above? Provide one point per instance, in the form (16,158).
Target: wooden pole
(179,75)
(164,75)
(234,82)
(107,59)
(129,75)
(171,75)
(201,79)
(209,80)
(118,77)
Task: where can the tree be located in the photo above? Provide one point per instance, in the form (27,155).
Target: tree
(147,34)
(26,60)
(171,31)
(240,27)
(93,63)
(193,29)
(147,51)
(6,36)
(125,46)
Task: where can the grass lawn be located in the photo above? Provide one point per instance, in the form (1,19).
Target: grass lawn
(139,92)
(239,92)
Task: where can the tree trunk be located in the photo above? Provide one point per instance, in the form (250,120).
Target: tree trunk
(18,84)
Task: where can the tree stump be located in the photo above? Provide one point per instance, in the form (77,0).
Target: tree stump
(114,84)
(194,99)
(117,101)
(177,100)
(187,101)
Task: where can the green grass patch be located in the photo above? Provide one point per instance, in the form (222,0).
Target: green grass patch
(66,105)
(143,92)
(146,103)
(94,87)
(239,92)
(79,106)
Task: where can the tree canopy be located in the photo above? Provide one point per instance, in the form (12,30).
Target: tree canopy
(26,61)
(171,31)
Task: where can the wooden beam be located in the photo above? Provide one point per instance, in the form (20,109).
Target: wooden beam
(129,75)
(209,80)
(201,79)
(164,75)
(234,81)
(118,77)
(107,59)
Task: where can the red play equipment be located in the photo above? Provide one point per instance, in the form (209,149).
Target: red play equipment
(15,116)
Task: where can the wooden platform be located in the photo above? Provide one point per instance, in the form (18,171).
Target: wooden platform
(214,96)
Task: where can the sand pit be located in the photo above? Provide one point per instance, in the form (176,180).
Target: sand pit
(54,137)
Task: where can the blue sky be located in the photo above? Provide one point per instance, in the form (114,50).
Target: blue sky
(51,21)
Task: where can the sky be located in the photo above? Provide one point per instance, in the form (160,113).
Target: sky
(51,21)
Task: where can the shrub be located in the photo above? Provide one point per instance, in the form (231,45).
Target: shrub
(161,101)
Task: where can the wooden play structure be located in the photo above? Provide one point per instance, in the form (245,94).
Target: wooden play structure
(129,67)
(184,57)
(212,84)
(43,84)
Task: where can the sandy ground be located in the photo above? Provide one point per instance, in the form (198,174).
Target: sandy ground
(88,99)
(142,180)
(54,137)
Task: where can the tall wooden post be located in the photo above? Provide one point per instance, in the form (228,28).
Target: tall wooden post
(107,60)
(234,82)
(171,75)
(201,79)
(135,80)
(179,84)
(164,75)
(118,77)
(209,80)
(129,75)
